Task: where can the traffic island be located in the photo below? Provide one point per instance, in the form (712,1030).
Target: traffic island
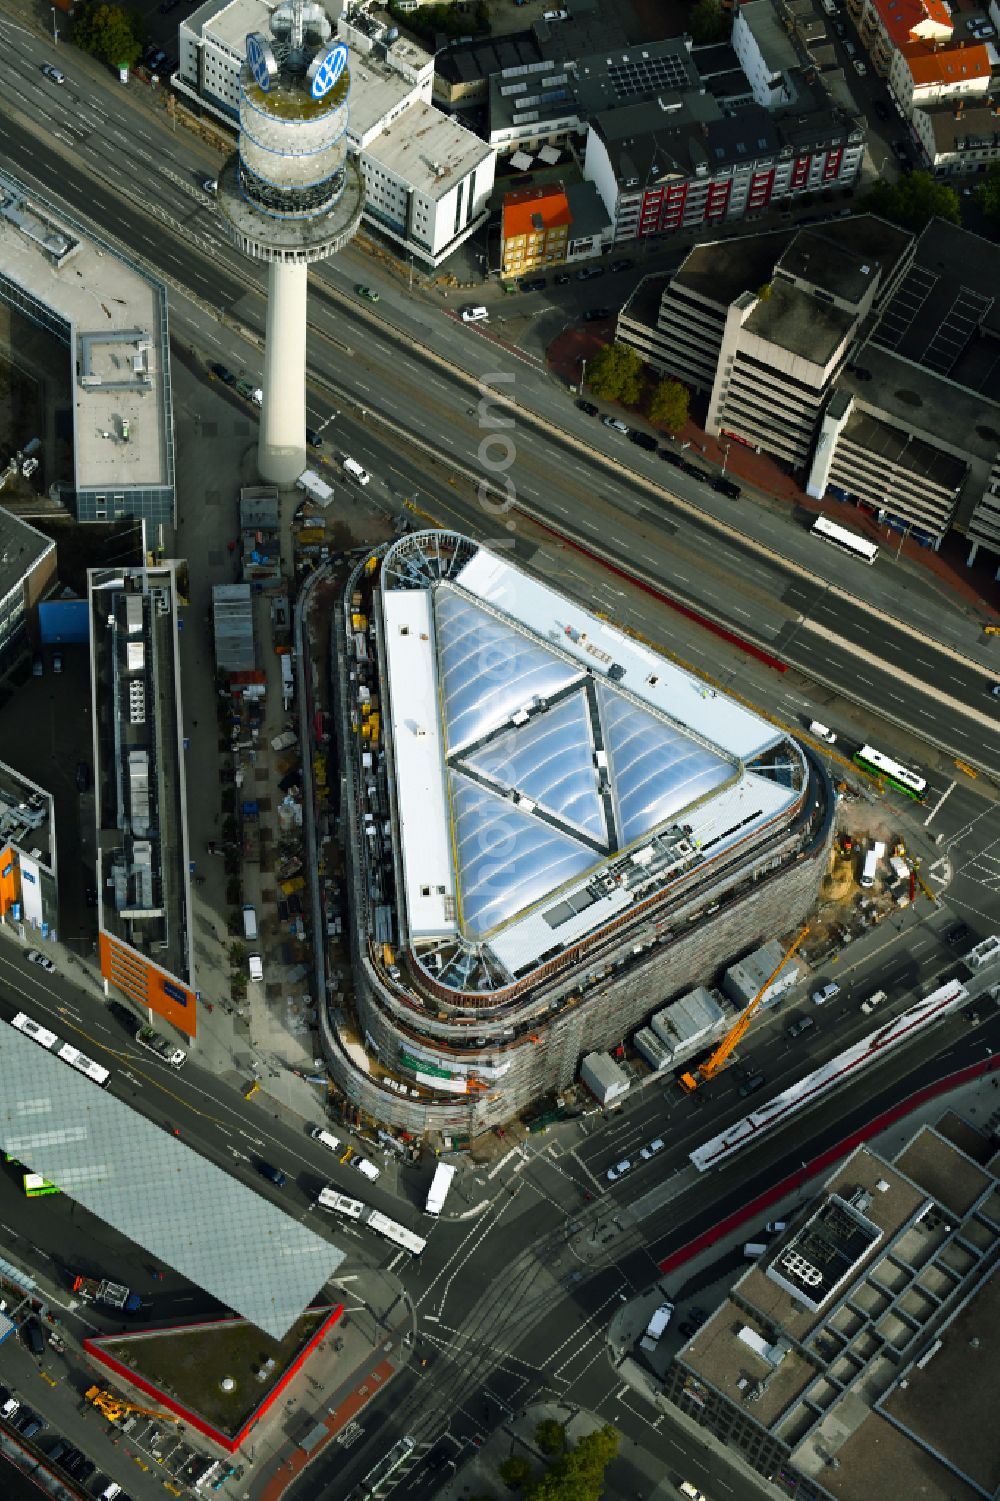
(222,1376)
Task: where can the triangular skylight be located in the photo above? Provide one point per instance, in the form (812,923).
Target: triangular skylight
(488,670)
(551,761)
(656,769)
(505,859)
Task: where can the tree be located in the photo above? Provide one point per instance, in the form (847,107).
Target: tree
(514,1471)
(108,32)
(615,373)
(987,195)
(550,1436)
(913,201)
(669,404)
(707,22)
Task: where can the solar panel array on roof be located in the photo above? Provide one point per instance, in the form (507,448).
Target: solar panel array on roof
(635,74)
(152,1188)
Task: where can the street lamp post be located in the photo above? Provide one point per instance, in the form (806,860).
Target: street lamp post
(55,29)
(583,377)
(725,457)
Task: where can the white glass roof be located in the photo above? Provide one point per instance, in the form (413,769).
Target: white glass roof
(551,761)
(656,769)
(507,859)
(156,1191)
(488,670)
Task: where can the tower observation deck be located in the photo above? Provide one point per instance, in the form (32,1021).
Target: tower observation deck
(290,196)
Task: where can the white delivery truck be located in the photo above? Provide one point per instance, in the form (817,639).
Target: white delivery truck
(872,858)
(655,1327)
(438,1192)
(316,488)
(256,967)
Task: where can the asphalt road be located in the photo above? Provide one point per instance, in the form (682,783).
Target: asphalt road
(366,356)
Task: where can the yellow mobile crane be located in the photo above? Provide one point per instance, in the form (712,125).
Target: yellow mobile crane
(114,1407)
(717,1060)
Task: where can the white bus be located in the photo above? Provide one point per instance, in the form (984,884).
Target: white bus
(440,1185)
(351,1209)
(849,542)
(84,1065)
(41,1035)
(397,1234)
(897,776)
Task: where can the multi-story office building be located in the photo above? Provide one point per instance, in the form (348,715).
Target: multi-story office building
(27,573)
(838,350)
(427,178)
(29,885)
(107,447)
(684,162)
(551,830)
(846,1362)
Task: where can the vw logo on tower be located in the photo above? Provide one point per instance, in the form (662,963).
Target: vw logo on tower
(261,60)
(325,69)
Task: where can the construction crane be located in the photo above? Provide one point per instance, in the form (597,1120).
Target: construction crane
(114,1407)
(717,1060)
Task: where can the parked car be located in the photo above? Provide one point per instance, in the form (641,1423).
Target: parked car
(588,407)
(313,438)
(727,487)
(368,292)
(534,284)
(82,776)
(826,993)
(656,1145)
(57,661)
(687,1330)
(272,1174)
(960,934)
(643,440)
(596,314)
(210,185)
(776,1227)
(619,1170)
(693,469)
(881,109)
(587,273)
(562,279)
(616,424)
(671,457)
(691,1491)
(621,266)
(751,1084)
(38,665)
(34,956)
(29,1423)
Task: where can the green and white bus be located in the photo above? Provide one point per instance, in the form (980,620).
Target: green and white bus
(897,776)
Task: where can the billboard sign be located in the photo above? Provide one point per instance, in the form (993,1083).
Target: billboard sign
(325,69)
(261,60)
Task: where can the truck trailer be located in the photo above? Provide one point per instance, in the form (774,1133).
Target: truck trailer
(113,1294)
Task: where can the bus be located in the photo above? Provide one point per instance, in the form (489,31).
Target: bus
(900,777)
(41,1035)
(849,542)
(36,1187)
(398,1234)
(84,1065)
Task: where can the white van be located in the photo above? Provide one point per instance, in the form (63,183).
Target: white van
(250,923)
(822,732)
(354,471)
(475,314)
(753,1249)
(872,858)
(318,1134)
(369,1169)
(256,966)
(655,1327)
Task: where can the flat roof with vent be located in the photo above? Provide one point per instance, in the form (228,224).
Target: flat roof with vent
(546,765)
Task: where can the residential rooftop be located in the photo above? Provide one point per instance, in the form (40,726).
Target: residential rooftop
(427,149)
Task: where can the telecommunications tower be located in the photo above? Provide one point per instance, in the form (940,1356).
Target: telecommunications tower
(290,196)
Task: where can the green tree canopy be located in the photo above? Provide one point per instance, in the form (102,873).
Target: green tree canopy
(669,405)
(514,1471)
(707,23)
(432,21)
(987,194)
(550,1436)
(578,1474)
(913,201)
(615,373)
(108,32)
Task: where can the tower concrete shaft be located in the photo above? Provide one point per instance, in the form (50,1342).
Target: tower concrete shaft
(281,453)
(291,196)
